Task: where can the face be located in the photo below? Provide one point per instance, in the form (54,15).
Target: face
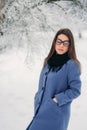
(62,44)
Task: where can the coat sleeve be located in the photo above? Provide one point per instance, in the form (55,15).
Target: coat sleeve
(74,83)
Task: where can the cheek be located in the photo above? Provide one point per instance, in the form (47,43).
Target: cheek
(66,49)
(56,46)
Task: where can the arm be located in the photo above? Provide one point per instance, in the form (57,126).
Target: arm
(74,83)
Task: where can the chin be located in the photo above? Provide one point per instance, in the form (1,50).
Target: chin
(60,53)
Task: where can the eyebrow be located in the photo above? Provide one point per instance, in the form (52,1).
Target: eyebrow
(64,40)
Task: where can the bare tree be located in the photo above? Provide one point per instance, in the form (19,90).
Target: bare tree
(49,1)
(2,4)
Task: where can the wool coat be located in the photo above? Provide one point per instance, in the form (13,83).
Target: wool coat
(65,85)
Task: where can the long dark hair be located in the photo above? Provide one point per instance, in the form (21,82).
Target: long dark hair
(71,51)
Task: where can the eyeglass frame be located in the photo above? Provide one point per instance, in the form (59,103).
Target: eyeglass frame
(63,42)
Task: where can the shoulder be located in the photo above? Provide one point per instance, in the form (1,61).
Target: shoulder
(73,66)
(71,62)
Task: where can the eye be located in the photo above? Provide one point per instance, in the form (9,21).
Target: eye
(58,41)
(66,43)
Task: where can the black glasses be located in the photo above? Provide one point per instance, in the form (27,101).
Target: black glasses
(65,43)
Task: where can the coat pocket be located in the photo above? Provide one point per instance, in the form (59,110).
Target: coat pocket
(54,106)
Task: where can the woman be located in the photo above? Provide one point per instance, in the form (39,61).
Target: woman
(59,84)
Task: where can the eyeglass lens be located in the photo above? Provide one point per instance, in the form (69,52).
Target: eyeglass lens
(65,43)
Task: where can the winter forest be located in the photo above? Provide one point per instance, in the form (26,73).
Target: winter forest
(27,28)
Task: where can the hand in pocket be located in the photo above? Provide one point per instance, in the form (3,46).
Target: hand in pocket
(55,100)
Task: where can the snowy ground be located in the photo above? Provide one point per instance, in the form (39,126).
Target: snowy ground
(18,84)
(22,49)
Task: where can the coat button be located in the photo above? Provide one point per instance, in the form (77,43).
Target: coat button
(43,88)
(46,73)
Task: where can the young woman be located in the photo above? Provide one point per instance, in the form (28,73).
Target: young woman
(59,84)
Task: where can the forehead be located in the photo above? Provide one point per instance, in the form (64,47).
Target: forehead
(62,37)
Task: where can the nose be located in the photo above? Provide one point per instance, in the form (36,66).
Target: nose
(61,45)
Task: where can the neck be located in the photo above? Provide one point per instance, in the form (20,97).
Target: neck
(57,60)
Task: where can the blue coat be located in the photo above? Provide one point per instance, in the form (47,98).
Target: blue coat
(65,85)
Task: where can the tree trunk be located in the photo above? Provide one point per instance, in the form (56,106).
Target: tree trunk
(2,4)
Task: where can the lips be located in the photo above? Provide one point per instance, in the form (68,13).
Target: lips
(60,49)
